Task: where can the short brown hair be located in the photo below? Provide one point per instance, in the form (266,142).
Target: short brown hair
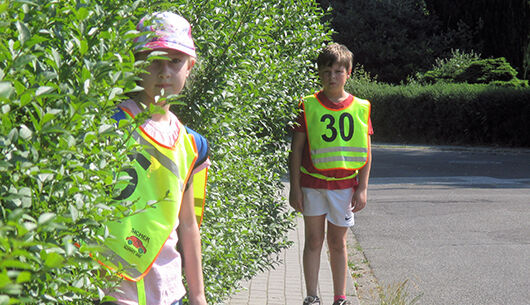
(335,53)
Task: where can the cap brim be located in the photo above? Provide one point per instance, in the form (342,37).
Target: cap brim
(156,45)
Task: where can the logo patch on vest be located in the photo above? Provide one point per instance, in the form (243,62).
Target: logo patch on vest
(135,243)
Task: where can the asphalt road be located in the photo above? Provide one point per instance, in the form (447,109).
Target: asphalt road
(453,222)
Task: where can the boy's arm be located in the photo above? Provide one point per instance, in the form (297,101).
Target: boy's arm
(295,161)
(190,242)
(361,192)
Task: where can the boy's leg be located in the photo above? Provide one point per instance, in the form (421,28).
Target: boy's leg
(340,218)
(338,257)
(314,239)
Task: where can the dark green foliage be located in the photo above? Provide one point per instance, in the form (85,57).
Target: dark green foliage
(460,114)
(393,39)
(445,69)
(470,68)
(63,67)
(486,71)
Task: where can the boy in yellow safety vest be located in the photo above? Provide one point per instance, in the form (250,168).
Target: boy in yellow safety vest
(169,168)
(329,167)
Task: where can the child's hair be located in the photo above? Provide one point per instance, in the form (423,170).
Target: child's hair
(335,53)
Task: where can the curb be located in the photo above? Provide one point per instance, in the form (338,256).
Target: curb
(365,283)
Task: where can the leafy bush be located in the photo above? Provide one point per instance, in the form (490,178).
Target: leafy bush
(63,67)
(445,69)
(255,60)
(469,68)
(60,76)
(492,70)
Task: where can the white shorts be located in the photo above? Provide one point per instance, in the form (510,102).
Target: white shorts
(335,204)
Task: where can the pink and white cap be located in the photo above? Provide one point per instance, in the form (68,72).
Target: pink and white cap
(171,32)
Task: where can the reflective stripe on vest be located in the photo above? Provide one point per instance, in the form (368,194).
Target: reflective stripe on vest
(338,138)
(159,176)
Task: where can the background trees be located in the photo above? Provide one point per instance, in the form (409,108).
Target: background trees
(502,28)
(394,39)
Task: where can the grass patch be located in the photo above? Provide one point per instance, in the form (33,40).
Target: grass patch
(397,294)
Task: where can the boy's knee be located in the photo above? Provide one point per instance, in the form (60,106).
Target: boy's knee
(337,244)
(314,243)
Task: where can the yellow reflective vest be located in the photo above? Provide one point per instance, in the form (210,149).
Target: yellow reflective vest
(338,138)
(159,177)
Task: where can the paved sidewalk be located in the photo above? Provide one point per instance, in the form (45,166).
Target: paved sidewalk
(285,285)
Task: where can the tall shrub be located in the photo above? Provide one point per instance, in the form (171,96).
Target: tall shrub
(63,67)
(470,68)
(445,69)
(491,70)
(255,60)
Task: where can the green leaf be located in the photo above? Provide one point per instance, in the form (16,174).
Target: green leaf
(25,133)
(45,218)
(4,6)
(105,128)
(56,58)
(44,90)
(47,117)
(4,280)
(23,32)
(4,299)
(6,89)
(83,47)
(82,13)
(13,263)
(53,260)
(115,91)
(23,277)
(86,86)
(74,212)
(26,98)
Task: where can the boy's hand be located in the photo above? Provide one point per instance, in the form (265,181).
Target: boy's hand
(358,201)
(296,199)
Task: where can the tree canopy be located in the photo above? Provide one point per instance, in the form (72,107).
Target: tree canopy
(395,39)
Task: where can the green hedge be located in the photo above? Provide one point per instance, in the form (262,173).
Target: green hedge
(64,65)
(60,76)
(461,114)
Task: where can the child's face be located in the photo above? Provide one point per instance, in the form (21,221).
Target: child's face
(333,77)
(167,75)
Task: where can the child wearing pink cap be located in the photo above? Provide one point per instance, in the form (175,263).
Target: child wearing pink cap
(172,158)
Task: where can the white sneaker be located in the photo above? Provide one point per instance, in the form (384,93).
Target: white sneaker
(311,300)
